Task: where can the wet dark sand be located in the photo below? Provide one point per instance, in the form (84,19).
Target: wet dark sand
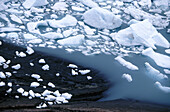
(85,92)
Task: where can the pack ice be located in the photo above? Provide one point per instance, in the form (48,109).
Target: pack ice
(141,33)
(160,59)
(101,18)
(33,3)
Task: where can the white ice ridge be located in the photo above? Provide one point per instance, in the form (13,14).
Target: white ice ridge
(154,73)
(89,3)
(101,18)
(72,41)
(126,63)
(162,88)
(141,33)
(160,59)
(33,3)
(68,20)
(127,77)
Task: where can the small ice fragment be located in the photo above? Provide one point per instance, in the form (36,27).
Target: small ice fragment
(9,90)
(2,75)
(35,41)
(36,76)
(2,60)
(160,59)
(8,74)
(0,43)
(51,85)
(46,67)
(13,35)
(72,66)
(15,19)
(34,84)
(31,64)
(167,51)
(2,84)
(25,93)
(79,9)
(16,67)
(57,93)
(89,3)
(20,90)
(9,29)
(126,63)
(127,77)
(9,84)
(84,72)
(31,93)
(50,98)
(52,35)
(73,72)
(89,77)
(20,54)
(162,88)
(60,99)
(67,96)
(57,74)
(38,95)
(16,97)
(46,92)
(29,50)
(42,61)
(33,3)
(154,73)
(167,71)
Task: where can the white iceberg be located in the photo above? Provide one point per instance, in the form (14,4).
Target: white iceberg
(68,20)
(160,59)
(154,73)
(72,41)
(141,33)
(33,3)
(126,63)
(101,18)
(162,88)
(127,77)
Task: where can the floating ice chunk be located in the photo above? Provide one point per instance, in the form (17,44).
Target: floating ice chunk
(127,77)
(90,43)
(89,77)
(73,72)
(154,73)
(72,66)
(2,34)
(33,3)
(8,74)
(16,97)
(16,67)
(67,33)
(60,99)
(126,63)
(2,84)
(12,35)
(162,3)
(20,90)
(38,95)
(50,98)
(54,16)
(46,67)
(68,20)
(34,84)
(160,59)
(51,85)
(72,41)
(89,3)
(36,76)
(2,75)
(127,0)
(145,3)
(29,50)
(167,51)
(9,84)
(67,96)
(25,93)
(9,29)
(84,72)
(79,9)
(31,93)
(9,90)
(167,71)
(15,19)
(101,18)
(57,74)
(46,92)
(33,9)
(29,36)
(162,88)
(57,93)
(60,6)
(2,60)
(52,35)
(41,61)
(35,41)
(20,54)
(3,5)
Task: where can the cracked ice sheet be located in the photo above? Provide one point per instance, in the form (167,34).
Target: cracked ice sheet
(160,59)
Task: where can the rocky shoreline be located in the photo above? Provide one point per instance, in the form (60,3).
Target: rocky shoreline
(85,92)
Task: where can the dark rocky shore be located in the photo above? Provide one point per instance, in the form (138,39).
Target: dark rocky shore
(85,92)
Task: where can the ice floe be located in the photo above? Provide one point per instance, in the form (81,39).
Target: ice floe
(29,50)
(52,35)
(162,88)
(20,90)
(126,63)
(154,73)
(60,6)
(72,41)
(15,19)
(2,75)
(41,61)
(45,67)
(101,18)
(9,29)
(16,67)
(167,71)
(84,72)
(34,84)
(50,84)
(33,3)
(2,83)
(127,77)
(72,66)
(68,20)
(89,78)
(2,60)
(89,3)
(160,59)
(35,41)
(20,54)
(167,51)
